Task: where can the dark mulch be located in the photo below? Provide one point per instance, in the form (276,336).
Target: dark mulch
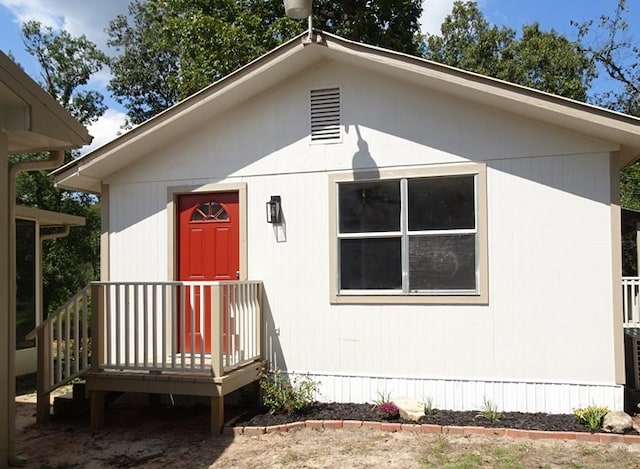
(365,412)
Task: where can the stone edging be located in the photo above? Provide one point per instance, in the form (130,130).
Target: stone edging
(434,429)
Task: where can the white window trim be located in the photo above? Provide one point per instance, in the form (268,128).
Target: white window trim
(479,296)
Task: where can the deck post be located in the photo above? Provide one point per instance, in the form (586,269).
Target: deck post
(97,322)
(217,328)
(217,414)
(97,410)
(43,398)
(97,400)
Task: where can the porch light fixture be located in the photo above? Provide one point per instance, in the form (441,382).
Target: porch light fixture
(274,210)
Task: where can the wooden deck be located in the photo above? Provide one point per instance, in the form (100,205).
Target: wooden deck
(99,383)
(185,338)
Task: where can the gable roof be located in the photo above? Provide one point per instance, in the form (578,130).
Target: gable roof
(87,172)
(32,119)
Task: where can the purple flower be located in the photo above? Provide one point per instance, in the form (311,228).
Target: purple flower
(388,410)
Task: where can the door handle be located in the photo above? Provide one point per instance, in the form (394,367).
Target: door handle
(237,274)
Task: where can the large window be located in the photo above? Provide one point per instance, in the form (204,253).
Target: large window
(414,235)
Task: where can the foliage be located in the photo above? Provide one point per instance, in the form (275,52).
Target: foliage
(617,55)
(489,411)
(170,49)
(610,46)
(388,410)
(385,408)
(280,394)
(67,64)
(591,416)
(428,406)
(543,60)
(145,74)
(384,23)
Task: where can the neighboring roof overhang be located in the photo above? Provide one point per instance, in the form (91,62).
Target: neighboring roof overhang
(88,172)
(47,218)
(33,120)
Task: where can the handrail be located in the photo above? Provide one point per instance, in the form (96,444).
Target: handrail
(32,335)
(63,348)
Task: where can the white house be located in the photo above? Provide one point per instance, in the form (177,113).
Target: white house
(442,234)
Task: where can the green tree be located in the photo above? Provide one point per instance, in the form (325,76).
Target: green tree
(469,42)
(170,49)
(145,73)
(391,24)
(67,64)
(543,60)
(618,57)
(616,54)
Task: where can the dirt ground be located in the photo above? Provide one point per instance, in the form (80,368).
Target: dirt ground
(178,438)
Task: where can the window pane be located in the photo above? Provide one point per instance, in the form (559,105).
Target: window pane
(446,262)
(25,282)
(441,203)
(370,264)
(369,206)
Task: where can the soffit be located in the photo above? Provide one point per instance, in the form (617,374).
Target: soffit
(47,218)
(31,118)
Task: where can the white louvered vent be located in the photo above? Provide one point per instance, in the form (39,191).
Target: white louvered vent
(325,113)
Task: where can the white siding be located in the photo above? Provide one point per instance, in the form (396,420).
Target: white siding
(549,317)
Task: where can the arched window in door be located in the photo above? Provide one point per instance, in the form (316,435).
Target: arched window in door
(209,211)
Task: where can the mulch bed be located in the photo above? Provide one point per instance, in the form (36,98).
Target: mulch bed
(365,412)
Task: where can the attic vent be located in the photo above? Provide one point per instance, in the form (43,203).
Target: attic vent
(325,115)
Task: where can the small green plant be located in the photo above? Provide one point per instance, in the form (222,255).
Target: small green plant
(489,411)
(428,406)
(382,398)
(282,395)
(591,416)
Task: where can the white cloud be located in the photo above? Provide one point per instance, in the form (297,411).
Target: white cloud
(105,129)
(433,14)
(88,17)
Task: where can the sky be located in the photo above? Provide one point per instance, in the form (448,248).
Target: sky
(91,17)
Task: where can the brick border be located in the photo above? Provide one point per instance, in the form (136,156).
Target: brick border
(435,429)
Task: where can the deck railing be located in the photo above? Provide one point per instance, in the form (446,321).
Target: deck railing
(631,301)
(64,347)
(177,327)
(210,327)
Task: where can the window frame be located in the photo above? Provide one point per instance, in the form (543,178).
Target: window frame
(404,295)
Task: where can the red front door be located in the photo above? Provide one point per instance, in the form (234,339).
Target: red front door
(208,249)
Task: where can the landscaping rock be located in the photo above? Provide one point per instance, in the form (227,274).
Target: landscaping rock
(410,409)
(617,422)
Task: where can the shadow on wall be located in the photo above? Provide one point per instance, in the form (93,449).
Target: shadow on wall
(271,337)
(363,164)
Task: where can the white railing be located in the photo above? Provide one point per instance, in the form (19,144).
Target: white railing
(64,343)
(210,327)
(630,301)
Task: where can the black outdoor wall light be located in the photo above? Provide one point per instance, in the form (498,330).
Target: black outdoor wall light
(274,210)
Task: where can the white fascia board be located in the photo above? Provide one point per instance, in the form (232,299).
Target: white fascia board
(47,118)
(47,218)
